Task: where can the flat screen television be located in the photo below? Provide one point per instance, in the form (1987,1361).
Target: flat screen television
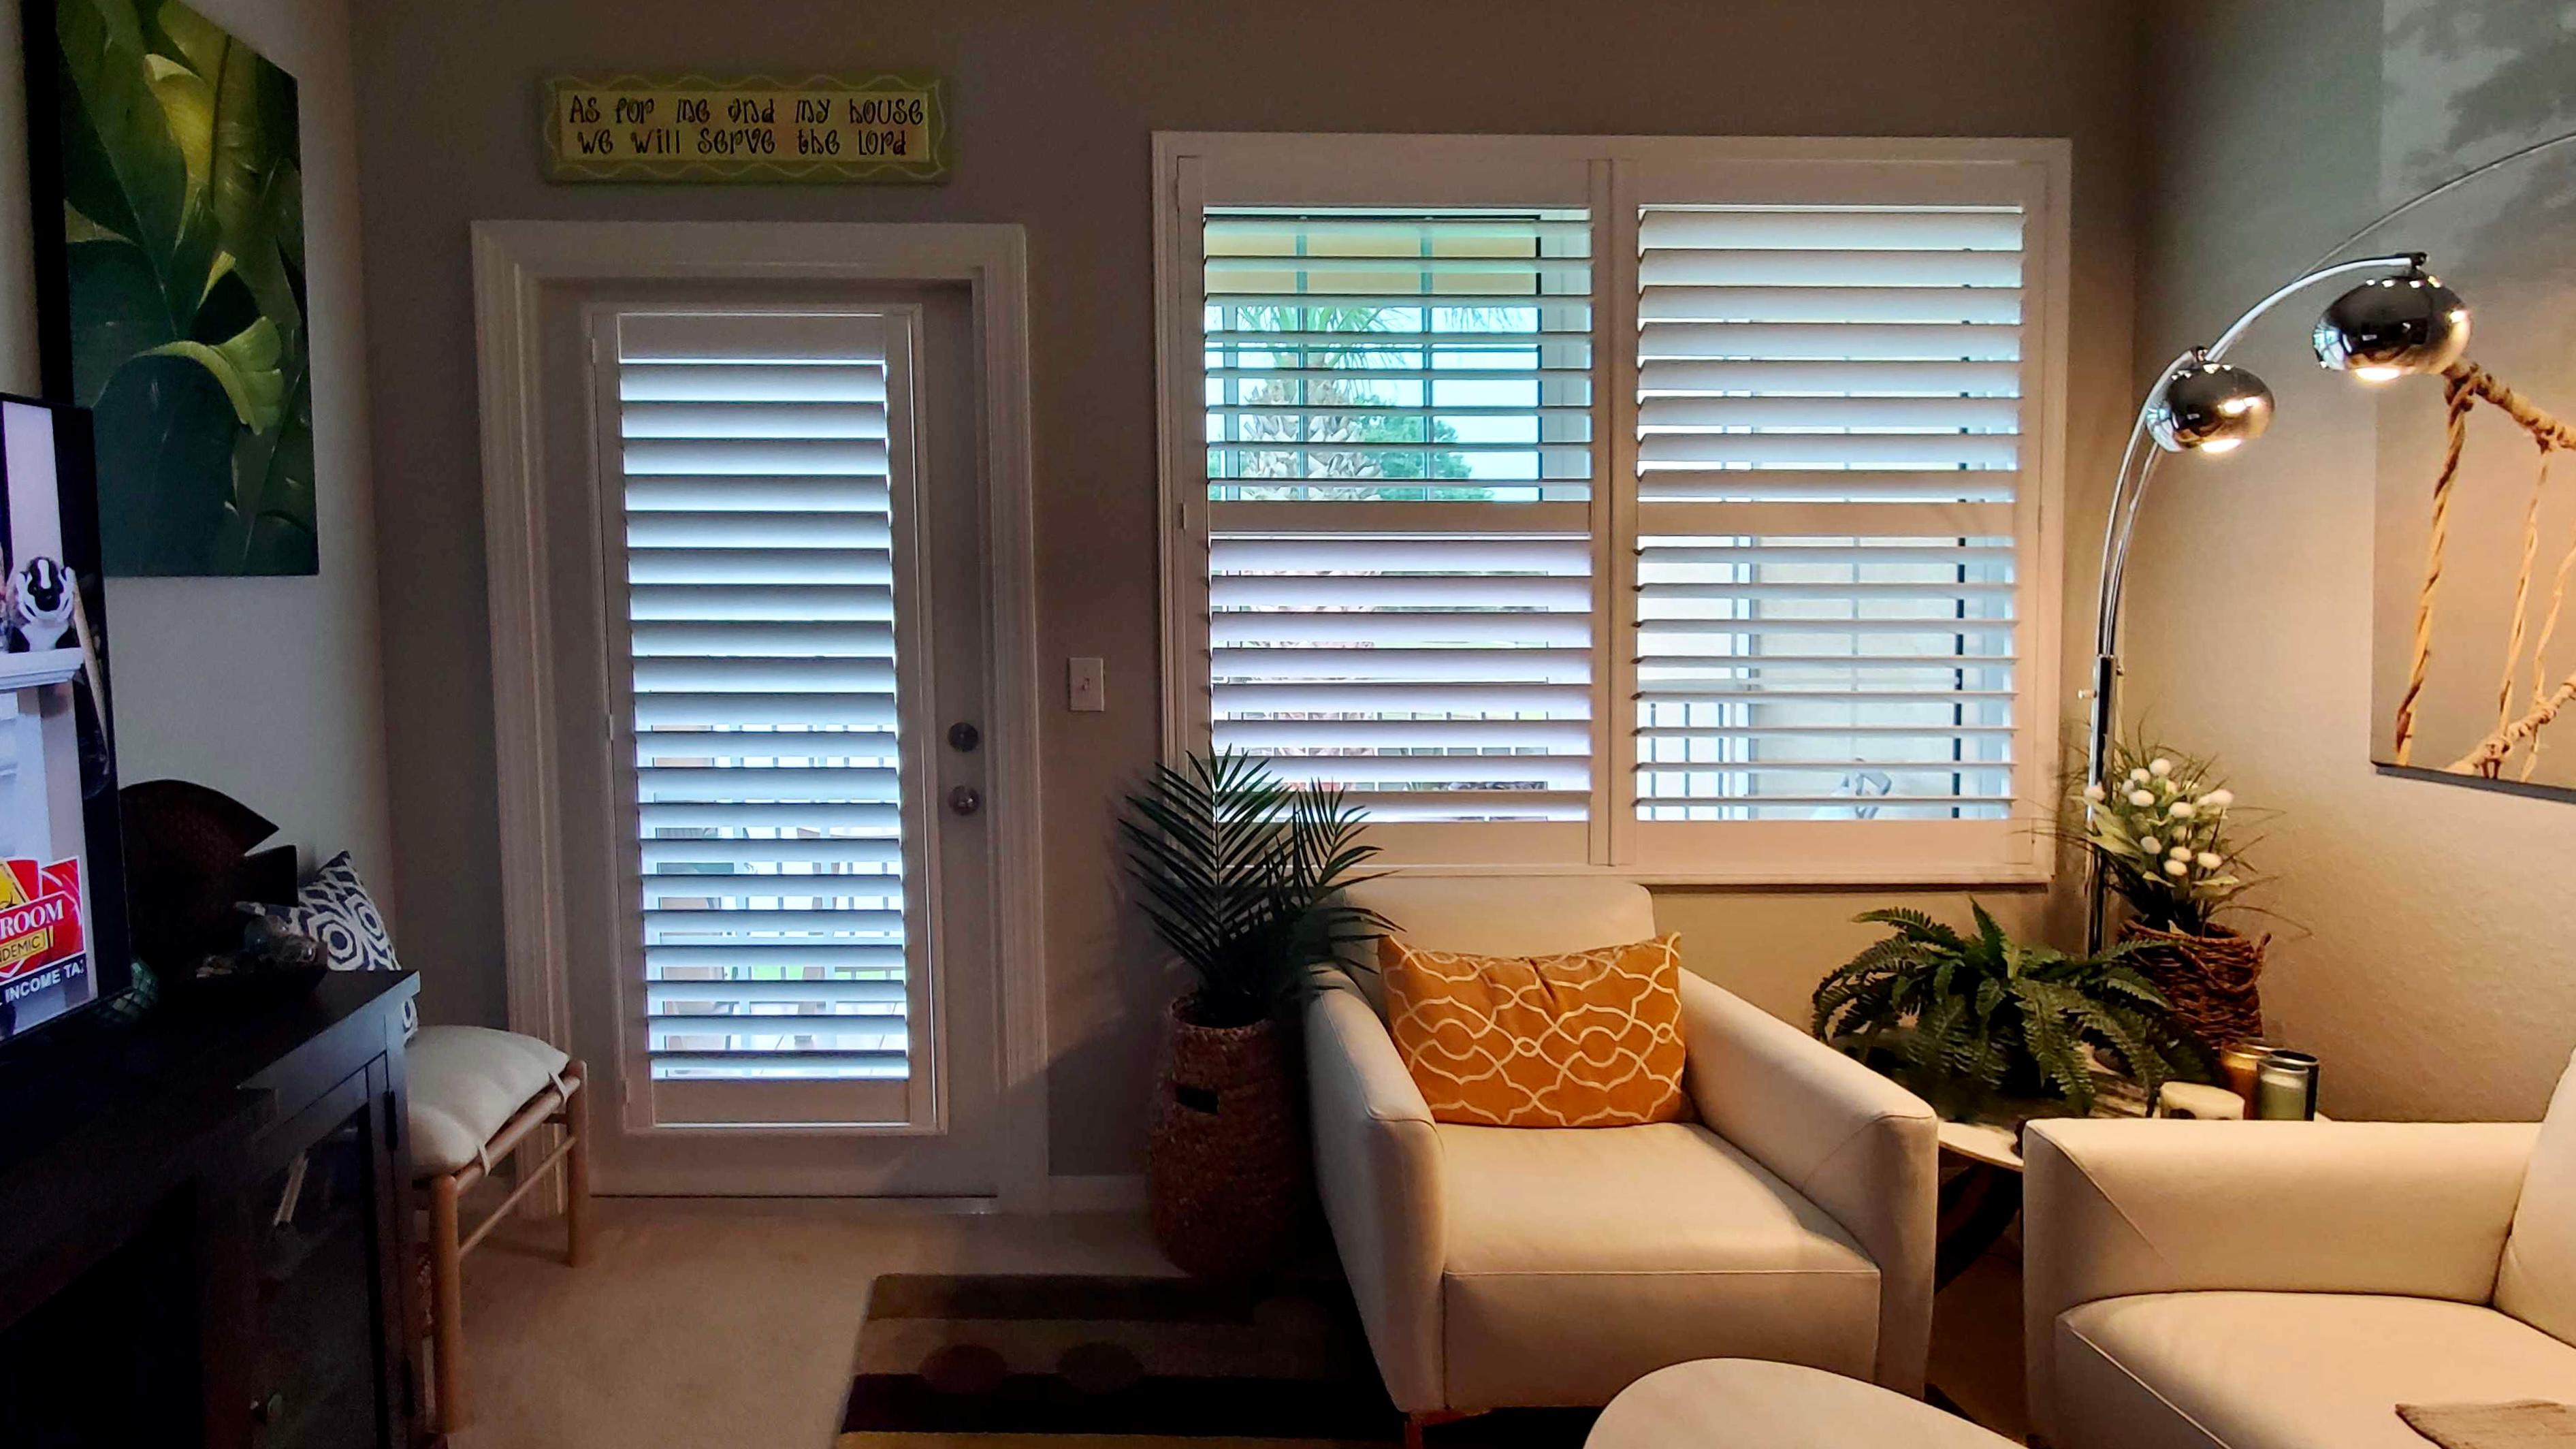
(62,868)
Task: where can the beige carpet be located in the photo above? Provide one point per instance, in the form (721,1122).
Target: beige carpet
(702,1323)
(706,1323)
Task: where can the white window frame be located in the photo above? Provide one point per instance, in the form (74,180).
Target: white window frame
(1614,176)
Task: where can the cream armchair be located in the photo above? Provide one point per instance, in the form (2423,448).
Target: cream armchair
(2285,1285)
(1501,1267)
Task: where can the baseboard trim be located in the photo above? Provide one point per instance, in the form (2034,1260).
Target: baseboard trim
(1103,1194)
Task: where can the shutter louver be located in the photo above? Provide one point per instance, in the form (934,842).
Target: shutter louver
(1829,439)
(761,600)
(1399,469)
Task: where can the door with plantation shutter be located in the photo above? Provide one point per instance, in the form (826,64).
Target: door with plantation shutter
(784,655)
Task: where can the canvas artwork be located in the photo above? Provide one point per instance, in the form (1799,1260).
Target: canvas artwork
(169,197)
(2474,640)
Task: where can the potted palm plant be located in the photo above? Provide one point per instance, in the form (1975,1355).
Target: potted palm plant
(1241,876)
(2163,828)
(1982,1026)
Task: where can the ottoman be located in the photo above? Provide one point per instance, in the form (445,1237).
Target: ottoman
(1742,1403)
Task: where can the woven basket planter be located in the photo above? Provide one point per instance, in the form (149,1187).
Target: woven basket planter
(1227,1180)
(2209,979)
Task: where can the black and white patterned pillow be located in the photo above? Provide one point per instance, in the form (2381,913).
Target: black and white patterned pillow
(333,908)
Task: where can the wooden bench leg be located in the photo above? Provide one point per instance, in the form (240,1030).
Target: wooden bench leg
(446,1304)
(577,1167)
(447,1247)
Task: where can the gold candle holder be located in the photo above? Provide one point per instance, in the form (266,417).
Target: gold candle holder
(2237,1066)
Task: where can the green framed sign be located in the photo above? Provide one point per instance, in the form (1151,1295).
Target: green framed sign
(887,127)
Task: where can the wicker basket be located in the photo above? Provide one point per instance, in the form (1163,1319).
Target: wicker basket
(1226,1176)
(2209,979)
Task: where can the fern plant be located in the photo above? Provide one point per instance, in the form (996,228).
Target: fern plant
(1241,876)
(1975,1022)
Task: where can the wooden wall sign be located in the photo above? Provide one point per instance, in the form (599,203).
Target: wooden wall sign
(884,127)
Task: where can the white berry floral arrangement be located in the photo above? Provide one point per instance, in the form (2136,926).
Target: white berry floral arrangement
(2164,828)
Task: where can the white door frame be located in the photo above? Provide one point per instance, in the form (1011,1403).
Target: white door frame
(513,262)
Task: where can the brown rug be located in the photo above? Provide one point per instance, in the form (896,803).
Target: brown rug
(983,1362)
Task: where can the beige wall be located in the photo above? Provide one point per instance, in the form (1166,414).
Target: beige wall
(1055,106)
(271,690)
(2432,969)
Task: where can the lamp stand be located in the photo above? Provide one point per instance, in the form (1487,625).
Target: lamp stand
(2128,489)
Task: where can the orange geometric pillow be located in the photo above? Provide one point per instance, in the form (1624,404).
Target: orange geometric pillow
(1585,1039)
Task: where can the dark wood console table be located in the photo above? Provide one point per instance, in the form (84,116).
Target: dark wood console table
(202,1225)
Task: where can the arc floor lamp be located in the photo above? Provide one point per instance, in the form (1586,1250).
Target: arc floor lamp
(2399,322)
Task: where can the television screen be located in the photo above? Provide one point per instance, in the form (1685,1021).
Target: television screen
(62,886)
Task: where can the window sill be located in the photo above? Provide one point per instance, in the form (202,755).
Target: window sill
(1822,880)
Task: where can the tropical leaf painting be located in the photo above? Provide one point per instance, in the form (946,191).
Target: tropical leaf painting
(180,306)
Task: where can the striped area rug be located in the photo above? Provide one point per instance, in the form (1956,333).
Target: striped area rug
(986,1362)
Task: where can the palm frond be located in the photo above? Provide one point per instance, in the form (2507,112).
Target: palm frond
(1241,876)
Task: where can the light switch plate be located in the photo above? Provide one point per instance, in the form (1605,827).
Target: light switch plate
(1086,685)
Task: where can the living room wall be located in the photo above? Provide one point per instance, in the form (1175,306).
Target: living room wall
(2423,945)
(1055,105)
(270,689)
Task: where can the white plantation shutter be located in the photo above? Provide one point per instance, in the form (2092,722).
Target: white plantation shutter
(1399,474)
(763,490)
(1735,567)
(1830,452)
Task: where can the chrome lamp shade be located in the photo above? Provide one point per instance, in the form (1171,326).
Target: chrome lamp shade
(2208,407)
(2393,326)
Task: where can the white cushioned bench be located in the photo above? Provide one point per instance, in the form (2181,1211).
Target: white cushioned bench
(476,1095)
(467,1082)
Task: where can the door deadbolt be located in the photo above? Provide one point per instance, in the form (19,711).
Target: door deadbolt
(965,800)
(963,737)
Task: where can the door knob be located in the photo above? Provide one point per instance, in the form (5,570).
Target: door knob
(965,800)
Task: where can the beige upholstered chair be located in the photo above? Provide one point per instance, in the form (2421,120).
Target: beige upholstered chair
(1499,1267)
(2285,1285)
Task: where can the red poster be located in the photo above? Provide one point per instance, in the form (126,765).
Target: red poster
(40,915)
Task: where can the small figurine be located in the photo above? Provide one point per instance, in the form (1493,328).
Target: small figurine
(270,949)
(277,946)
(42,602)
